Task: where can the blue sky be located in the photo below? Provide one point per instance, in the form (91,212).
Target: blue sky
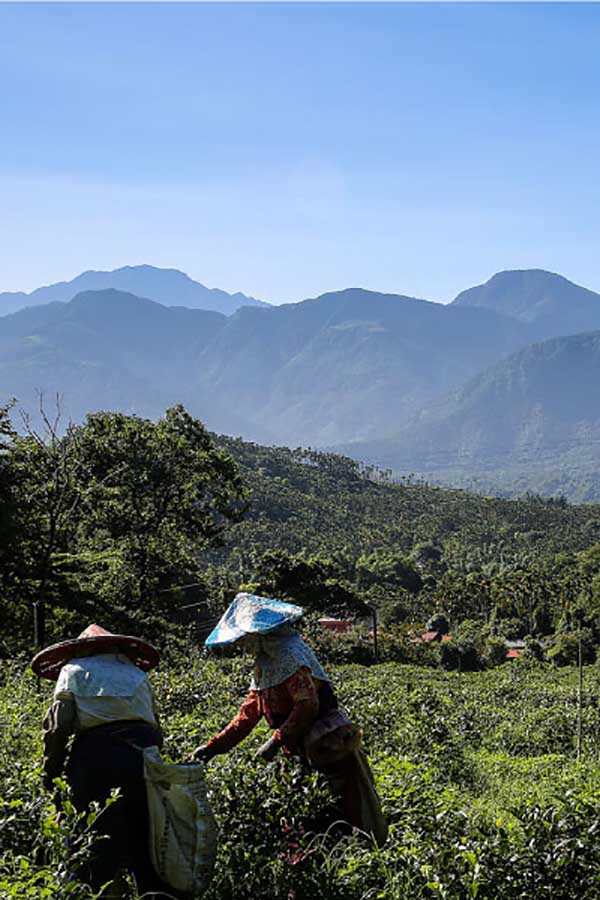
(290,149)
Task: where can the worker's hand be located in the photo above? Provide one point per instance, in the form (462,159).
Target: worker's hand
(202,754)
(268,750)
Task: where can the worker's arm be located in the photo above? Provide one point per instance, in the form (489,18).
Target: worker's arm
(157,718)
(248,715)
(58,726)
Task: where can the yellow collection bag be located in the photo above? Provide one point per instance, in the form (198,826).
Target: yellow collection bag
(183,833)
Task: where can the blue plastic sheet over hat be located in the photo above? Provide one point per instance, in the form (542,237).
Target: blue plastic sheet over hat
(250,614)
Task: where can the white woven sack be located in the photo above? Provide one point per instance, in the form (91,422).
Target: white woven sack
(183,834)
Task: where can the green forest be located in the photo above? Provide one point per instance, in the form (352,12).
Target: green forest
(329,532)
(153,527)
(487,768)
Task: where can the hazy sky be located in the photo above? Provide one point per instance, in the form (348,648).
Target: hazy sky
(286,150)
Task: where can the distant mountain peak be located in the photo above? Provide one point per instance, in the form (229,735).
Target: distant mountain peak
(147,269)
(169,287)
(530,276)
(537,297)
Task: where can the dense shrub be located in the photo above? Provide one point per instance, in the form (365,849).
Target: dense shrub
(494,651)
(564,648)
(477,775)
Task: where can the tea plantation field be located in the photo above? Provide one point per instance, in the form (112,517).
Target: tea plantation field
(477,773)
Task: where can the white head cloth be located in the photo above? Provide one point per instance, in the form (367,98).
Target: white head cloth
(279,654)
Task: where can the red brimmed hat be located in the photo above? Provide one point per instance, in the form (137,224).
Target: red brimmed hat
(48,663)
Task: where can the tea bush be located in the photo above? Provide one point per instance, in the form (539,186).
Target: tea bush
(477,774)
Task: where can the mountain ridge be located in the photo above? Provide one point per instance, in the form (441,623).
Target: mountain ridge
(535,412)
(549,302)
(286,366)
(351,368)
(167,286)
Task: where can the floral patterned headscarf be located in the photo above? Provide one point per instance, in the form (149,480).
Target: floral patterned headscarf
(279,654)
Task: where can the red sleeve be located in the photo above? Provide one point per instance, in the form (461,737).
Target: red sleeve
(303,693)
(240,726)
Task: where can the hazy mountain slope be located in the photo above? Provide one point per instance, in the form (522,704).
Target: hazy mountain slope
(341,366)
(28,321)
(11,301)
(344,366)
(531,419)
(348,364)
(550,303)
(104,349)
(167,286)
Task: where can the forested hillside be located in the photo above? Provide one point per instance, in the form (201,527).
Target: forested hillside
(325,502)
(142,525)
(317,521)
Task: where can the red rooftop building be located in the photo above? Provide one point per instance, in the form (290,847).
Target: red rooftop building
(337,626)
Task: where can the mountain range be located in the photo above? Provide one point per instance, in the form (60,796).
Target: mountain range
(496,389)
(167,286)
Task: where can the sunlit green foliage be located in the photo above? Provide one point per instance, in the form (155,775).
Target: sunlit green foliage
(477,774)
(104,519)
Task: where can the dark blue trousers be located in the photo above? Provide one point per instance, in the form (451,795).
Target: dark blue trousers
(101,759)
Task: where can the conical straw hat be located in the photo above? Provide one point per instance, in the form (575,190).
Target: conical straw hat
(251,614)
(48,662)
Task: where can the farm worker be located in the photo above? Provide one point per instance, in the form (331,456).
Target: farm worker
(103,698)
(292,690)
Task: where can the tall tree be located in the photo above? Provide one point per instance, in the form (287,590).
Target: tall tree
(114,514)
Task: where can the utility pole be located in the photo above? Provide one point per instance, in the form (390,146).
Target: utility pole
(39,623)
(579,685)
(375,614)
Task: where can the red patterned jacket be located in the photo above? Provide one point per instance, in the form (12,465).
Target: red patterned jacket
(290,707)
